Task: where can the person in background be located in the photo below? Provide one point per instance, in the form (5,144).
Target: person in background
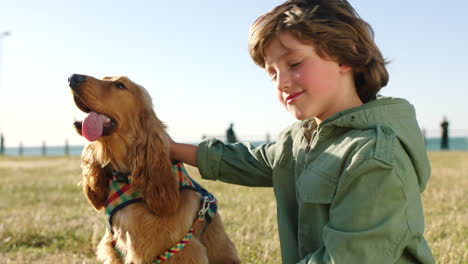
(230,135)
(423,131)
(2,144)
(444,142)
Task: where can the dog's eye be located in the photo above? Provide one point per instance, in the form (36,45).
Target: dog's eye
(120,85)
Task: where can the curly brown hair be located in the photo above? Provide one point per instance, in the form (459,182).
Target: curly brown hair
(337,32)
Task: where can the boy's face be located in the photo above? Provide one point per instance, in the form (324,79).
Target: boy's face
(306,84)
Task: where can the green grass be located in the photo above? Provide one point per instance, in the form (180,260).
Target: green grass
(45,218)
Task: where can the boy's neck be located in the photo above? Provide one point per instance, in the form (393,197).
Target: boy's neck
(347,100)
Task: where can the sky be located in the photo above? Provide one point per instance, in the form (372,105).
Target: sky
(192,57)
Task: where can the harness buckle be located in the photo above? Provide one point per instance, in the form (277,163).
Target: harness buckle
(204,208)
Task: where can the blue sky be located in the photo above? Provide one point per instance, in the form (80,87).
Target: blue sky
(192,57)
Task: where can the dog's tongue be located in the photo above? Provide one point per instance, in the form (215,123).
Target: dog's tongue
(93,126)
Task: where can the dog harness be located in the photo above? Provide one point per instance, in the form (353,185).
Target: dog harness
(121,195)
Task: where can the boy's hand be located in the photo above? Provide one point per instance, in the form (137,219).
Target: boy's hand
(172,144)
(183,152)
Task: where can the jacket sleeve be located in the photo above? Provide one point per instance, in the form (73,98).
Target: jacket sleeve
(368,221)
(238,163)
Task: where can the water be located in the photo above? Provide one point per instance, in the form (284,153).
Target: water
(455,144)
(37,151)
(433,144)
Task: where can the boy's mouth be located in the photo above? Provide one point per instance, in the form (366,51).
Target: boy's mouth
(290,98)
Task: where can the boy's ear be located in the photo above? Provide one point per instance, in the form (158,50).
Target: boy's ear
(344,68)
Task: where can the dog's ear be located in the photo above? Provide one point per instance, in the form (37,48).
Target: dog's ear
(95,181)
(152,173)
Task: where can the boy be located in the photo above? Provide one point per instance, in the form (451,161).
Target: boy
(348,176)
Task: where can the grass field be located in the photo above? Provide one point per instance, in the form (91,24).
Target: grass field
(44,217)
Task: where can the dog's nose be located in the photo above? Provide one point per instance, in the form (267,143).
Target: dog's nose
(75,80)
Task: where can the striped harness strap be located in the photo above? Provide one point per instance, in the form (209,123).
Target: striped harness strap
(120,196)
(208,201)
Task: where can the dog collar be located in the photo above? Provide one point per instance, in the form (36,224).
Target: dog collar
(122,177)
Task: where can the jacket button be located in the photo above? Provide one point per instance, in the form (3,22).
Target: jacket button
(387,130)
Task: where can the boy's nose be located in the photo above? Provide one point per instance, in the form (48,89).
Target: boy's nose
(283,82)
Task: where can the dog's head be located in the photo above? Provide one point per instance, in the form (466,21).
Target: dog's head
(127,135)
(113,104)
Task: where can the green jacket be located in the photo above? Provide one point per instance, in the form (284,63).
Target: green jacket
(351,195)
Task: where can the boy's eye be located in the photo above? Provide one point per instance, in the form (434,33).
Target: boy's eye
(295,64)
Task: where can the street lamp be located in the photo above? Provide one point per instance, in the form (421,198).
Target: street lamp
(2,35)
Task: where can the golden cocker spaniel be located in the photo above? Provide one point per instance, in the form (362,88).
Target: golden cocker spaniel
(127,172)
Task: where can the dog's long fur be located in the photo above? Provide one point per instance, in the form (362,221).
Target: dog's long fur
(139,144)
